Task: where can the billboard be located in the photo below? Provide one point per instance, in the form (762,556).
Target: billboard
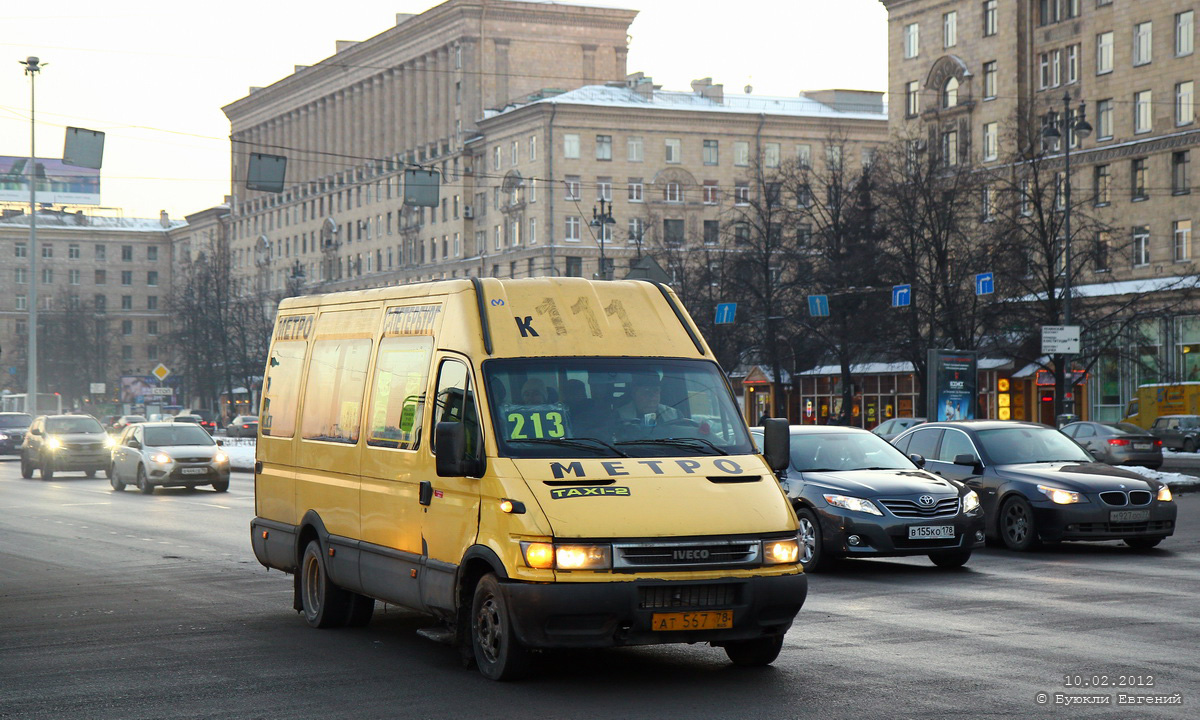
(138,388)
(56,182)
(951,388)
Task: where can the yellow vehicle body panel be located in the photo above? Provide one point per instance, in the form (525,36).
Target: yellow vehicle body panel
(1154,401)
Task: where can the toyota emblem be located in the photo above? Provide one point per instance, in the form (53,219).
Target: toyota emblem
(926,500)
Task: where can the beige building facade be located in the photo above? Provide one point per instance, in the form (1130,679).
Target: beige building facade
(962,72)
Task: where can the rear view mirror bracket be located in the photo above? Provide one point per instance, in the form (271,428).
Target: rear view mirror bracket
(777,444)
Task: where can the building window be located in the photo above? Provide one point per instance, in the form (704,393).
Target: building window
(496,158)
(950,29)
(73,277)
(152,278)
(673,232)
(47,250)
(672,192)
(1184,33)
(574,266)
(1100,252)
(1104,53)
(989,80)
(73,251)
(741,153)
(711,193)
(990,25)
(126,253)
(1137,176)
(1143,112)
(771,155)
(572,228)
(741,233)
(988,202)
(635,190)
(1049,12)
(1185,112)
(912,98)
(533,147)
(741,194)
(126,327)
(604,189)
(804,156)
(912,39)
(604,147)
(1104,119)
(126,277)
(101,277)
(22,302)
(1181,181)
(1183,240)
(126,302)
(991,141)
(152,253)
(712,232)
(571,145)
(633,147)
(950,148)
(950,93)
(572,186)
(833,157)
(1072,64)
(1143,42)
(673,149)
(1102,184)
(1044,71)
(20,250)
(1141,246)
(20,275)
(151,302)
(710,152)
(637,228)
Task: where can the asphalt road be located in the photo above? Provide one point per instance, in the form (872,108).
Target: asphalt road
(119,605)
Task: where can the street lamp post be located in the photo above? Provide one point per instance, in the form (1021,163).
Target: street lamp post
(601,220)
(1066,127)
(32,67)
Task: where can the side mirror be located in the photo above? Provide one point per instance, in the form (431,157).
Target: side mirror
(918,459)
(451,442)
(969,459)
(35,431)
(134,444)
(777,443)
(220,443)
(1097,453)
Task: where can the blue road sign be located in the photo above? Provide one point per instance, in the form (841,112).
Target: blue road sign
(984,284)
(818,305)
(901,295)
(725,313)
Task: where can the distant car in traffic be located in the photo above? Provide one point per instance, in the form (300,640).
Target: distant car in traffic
(12,431)
(126,420)
(185,418)
(855,495)
(1117,443)
(208,419)
(59,443)
(1177,432)
(243,426)
(1036,485)
(165,454)
(889,429)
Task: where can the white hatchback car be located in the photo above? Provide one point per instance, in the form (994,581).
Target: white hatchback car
(168,455)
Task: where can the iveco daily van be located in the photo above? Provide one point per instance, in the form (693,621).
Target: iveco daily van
(541,463)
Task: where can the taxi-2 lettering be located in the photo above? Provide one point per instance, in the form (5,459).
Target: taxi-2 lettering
(560,493)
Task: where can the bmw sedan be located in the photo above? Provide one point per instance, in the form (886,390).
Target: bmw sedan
(857,496)
(1036,485)
(168,455)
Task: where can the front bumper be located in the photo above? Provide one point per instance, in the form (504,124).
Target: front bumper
(1094,521)
(887,536)
(579,615)
(176,475)
(60,460)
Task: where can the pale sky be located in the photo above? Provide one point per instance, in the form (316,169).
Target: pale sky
(153,75)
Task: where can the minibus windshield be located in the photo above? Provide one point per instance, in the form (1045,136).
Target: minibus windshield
(612,407)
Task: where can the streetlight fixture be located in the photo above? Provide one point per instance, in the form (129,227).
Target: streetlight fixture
(602,220)
(32,66)
(1066,126)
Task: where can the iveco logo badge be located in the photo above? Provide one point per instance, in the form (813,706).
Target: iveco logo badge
(690,554)
(926,500)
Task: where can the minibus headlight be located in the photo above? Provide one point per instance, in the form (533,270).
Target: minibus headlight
(1164,494)
(538,555)
(781,552)
(549,556)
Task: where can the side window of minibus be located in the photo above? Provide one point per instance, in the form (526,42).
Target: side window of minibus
(456,402)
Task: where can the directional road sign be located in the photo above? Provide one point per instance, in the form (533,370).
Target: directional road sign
(1060,339)
(725,313)
(984,284)
(901,295)
(818,305)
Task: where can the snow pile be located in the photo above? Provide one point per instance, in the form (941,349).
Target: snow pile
(1174,480)
(240,452)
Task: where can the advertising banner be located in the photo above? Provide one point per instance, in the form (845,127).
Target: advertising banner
(138,388)
(55,182)
(951,387)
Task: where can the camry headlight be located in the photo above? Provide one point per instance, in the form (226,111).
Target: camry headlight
(547,556)
(53,443)
(970,503)
(220,457)
(1060,496)
(852,503)
(161,458)
(781,552)
(1164,494)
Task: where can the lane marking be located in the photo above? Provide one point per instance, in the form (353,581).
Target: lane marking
(81,504)
(217,506)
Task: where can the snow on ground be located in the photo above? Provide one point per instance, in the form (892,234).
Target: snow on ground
(1174,480)
(240,452)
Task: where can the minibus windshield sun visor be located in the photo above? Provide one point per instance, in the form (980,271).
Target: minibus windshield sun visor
(612,407)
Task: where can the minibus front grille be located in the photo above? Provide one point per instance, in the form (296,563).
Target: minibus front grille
(685,555)
(688,596)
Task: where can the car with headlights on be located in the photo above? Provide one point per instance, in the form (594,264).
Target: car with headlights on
(12,431)
(61,443)
(164,454)
(1036,485)
(857,496)
(1117,443)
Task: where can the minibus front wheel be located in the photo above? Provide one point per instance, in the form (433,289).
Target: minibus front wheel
(754,653)
(498,652)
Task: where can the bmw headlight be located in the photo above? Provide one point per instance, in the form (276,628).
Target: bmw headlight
(1060,496)
(852,503)
(970,503)
(1164,494)
(53,443)
(781,552)
(161,458)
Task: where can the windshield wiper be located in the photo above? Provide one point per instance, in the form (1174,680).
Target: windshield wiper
(579,442)
(685,442)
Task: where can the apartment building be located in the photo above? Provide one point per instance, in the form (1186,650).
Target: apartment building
(102,280)
(963,73)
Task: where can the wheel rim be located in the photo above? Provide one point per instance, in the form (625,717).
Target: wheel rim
(808,536)
(489,630)
(1016,523)
(314,592)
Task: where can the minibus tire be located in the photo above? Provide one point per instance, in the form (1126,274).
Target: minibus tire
(754,653)
(324,604)
(498,653)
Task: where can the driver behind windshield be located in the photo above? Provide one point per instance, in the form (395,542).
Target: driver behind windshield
(646,404)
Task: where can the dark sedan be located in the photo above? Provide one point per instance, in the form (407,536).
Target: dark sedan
(12,431)
(857,496)
(1036,485)
(1117,443)
(889,429)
